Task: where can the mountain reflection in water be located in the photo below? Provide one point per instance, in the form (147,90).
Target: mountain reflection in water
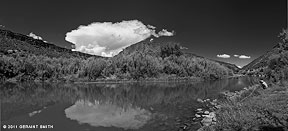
(107,115)
(110,107)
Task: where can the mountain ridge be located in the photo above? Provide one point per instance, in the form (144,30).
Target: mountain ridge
(16,42)
(262,61)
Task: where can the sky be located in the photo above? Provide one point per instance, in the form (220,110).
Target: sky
(235,31)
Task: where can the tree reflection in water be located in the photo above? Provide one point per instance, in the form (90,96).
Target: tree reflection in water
(126,106)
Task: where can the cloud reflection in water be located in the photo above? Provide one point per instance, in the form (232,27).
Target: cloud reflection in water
(107,115)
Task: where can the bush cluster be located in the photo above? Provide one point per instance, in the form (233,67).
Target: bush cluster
(277,69)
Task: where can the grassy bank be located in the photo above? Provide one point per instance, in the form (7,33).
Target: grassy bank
(254,109)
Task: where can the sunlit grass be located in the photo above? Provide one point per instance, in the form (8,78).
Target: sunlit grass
(267,108)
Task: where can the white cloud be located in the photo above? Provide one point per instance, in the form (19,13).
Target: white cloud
(151,26)
(223,56)
(108,115)
(244,57)
(31,34)
(165,33)
(108,39)
(236,55)
(183,48)
(2,26)
(239,66)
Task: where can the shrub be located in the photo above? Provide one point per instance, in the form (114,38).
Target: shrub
(94,67)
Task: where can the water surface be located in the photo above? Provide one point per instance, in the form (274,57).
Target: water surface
(110,107)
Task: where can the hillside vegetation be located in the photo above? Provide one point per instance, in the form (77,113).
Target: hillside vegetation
(273,65)
(37,60)
(258,108)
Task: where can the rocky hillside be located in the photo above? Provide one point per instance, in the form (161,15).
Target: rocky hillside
(11,42)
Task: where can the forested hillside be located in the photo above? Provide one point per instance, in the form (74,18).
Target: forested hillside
(24,58)
(273,64)
(167,58)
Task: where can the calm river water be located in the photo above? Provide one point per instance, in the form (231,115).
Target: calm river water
(108,107)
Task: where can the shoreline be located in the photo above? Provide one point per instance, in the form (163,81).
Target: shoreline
(209,122)
(119,81)
(142,81)
(253,104)
(111,81)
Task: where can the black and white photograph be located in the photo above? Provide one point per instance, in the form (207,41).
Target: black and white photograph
(144,65)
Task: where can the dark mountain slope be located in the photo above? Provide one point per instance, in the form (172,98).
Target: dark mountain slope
(233,67)
(272,65)
(262,61)
(15,42)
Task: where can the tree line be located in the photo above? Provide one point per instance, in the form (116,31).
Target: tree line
(144,61)
(277,68)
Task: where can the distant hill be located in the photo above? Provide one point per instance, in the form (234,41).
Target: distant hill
(157,43)
(141,46)
(262,61)
(233,67)
(15,42)
(273,65)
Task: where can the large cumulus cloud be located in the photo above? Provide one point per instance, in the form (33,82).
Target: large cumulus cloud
(108,39)
(108,115)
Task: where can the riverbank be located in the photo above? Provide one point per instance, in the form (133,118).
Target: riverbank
(253,108)
(112,81)
(148,80)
